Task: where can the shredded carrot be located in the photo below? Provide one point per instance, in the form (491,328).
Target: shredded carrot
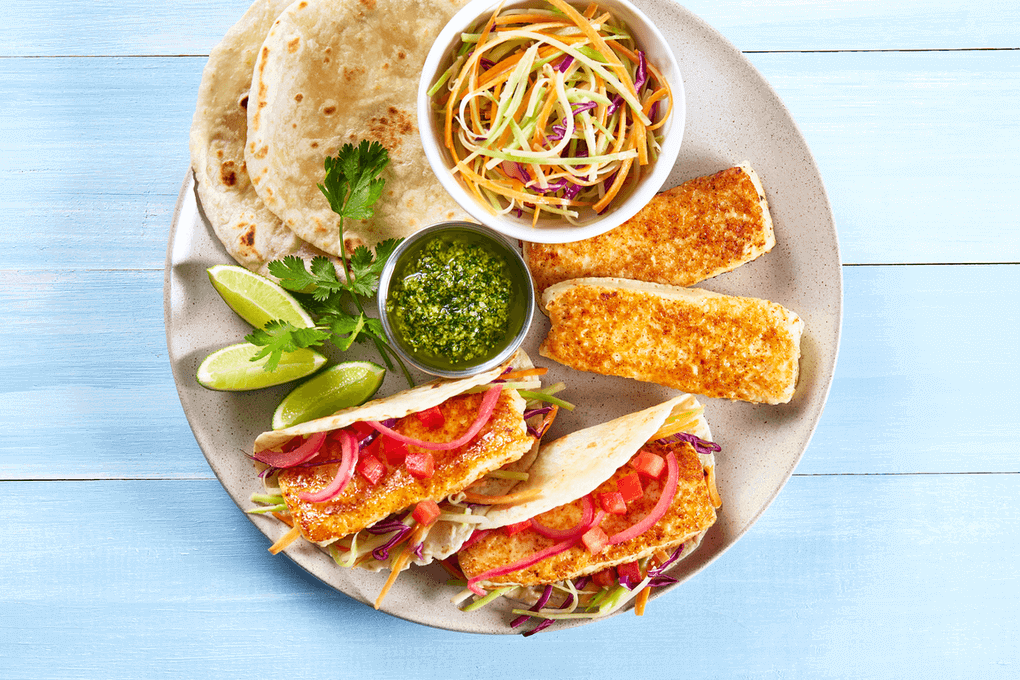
(285,540)
(641,600)
(506,499)
(401,561)
(286,519)
(523,373)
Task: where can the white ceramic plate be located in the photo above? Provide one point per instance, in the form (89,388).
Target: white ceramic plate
(732,116)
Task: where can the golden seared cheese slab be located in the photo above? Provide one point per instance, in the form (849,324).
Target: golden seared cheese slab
(700,229)
(687,338)
(688,517)
(502,440)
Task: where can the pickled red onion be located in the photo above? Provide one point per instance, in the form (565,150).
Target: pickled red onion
(484,413)
(576,531)
(344,473)
(286,459)
(661,505)
(554,549)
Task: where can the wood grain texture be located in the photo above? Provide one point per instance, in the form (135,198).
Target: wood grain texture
(187,27)
(919,385)
(878,577)
(910,147)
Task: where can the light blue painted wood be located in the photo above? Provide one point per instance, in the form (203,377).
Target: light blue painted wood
(916,150)
(911,148)
(919,384)
(878,577)
(173,27)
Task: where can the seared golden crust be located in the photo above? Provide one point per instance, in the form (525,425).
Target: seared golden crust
(503,439)
(690,233)
(690,514)
(690,339)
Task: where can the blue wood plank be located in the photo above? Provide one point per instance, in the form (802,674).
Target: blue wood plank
(92,158)
(170,27)
(878,577)
(917,150)
(924,382)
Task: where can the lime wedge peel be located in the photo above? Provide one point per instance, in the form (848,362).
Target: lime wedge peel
(338,387)
(231,369)
(255,298)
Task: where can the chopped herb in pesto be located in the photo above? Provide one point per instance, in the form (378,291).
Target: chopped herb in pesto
(452,300)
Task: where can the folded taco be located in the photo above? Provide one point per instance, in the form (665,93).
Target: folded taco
(407,478)
(610,509)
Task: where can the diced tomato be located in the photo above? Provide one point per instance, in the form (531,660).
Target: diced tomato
(425,513)
(360,430)
(605,578)
(516,527)
(394,449)
(630,571)
(421,464)
(612,502)
(630,487)
(649,464)
(595,540)
(431,418)
(371,468)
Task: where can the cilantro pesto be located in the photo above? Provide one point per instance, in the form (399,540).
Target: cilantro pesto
(452,299)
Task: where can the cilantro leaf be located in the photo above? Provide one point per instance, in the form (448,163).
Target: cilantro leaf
(278,336)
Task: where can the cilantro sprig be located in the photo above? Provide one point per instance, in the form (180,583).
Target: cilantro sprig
(352,186)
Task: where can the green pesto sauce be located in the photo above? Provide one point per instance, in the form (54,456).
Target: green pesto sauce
(452,299)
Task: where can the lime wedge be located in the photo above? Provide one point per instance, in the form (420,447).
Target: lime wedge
(231,368)
(338,387)
(255,298)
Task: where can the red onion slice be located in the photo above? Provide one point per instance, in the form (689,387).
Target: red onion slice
(344,473)
(576,531)
(302,454)
(484,413)
(660,508)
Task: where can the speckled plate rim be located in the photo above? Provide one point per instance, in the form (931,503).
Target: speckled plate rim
(733,115)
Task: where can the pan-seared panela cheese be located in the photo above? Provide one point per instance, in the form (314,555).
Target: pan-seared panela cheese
(690,339)
(687,519)
(700,229)
(502,440)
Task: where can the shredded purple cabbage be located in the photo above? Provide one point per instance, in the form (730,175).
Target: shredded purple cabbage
(564,64)
(384,527)
(699,444)
(486,64)
(580,108)
(641,75)
(537,412)
(614,104)
(561,183)
(419,551)
(542,601)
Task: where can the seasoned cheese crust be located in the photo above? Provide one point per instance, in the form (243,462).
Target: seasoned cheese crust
(690,514)
(687,338)
(502,440)
(700,229)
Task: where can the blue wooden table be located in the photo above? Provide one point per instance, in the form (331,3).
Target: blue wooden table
(891,553)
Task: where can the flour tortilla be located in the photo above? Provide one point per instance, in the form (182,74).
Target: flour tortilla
(341,71)
(576,464)
(249,231)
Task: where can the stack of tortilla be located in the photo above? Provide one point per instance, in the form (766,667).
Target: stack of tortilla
(287,86)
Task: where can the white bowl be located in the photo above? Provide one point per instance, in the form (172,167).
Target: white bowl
(552,228)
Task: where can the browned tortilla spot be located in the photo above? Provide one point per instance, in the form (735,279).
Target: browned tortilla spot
(293,45)
(298,97)
(227,174)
